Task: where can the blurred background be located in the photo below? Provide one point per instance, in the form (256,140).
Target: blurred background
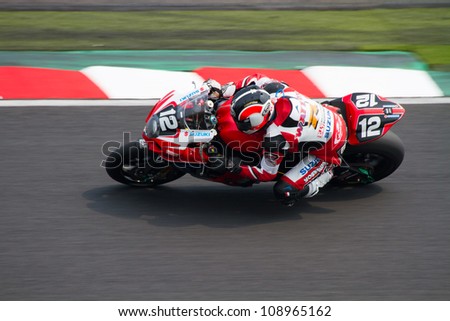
(68,232)
(62,34)
(417,26)
(227,4)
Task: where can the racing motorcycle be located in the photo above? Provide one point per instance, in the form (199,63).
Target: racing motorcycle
(182,120)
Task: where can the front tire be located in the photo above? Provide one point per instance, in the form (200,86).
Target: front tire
(133,165)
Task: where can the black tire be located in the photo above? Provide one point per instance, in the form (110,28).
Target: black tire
(374,160)
(133,165)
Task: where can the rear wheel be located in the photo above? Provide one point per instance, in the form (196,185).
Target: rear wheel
(370,162)
(133,165)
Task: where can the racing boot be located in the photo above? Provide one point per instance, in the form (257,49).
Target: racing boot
(319,182)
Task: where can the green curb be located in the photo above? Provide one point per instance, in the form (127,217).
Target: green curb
(442,79)
(187,60)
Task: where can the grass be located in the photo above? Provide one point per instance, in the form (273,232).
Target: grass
(424,31)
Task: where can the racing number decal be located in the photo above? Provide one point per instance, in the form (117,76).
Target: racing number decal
(366,100)
(374,114)
(369,127)
(167,120)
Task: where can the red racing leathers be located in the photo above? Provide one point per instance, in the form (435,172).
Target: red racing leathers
(298,125)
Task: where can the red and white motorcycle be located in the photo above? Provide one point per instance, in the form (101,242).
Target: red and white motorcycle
(182,120)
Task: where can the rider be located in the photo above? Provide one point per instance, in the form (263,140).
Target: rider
(292,123)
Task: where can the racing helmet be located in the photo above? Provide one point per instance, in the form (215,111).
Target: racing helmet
(251,109)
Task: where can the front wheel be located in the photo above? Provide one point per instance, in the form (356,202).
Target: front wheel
(133,165)
(370,162)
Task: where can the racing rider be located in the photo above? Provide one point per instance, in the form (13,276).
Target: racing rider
(292,123)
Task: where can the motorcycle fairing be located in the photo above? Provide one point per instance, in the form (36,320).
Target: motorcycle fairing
(178,121)
(369,116)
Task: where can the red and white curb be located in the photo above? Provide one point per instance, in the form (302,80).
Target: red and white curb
(388,82)
(104,82)
(60,103)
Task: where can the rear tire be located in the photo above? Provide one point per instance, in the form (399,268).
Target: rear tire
(133,165)
(378,159)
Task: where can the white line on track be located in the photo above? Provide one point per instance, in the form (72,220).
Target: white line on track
(152,102)
(78,103)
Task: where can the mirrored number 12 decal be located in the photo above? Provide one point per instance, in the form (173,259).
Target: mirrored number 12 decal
(366,100)
(370,127)
(167,120)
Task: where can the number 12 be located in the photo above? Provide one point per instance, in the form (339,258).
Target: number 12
(167,120)
(370,127)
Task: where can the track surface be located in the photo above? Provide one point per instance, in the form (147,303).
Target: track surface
(68,232)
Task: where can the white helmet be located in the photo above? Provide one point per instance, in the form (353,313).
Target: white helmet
(251,109)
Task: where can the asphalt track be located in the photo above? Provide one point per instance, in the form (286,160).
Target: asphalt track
(68,232)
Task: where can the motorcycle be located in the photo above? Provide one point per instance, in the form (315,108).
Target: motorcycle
(182,120)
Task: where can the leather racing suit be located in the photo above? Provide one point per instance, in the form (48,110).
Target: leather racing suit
(298,125)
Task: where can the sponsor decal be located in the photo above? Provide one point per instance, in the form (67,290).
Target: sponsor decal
(302,116)
(393,116)
(189,95)
(310,165)
(320,130)
(338,128)
(301,121)
(388,110)
(314,173)
(200,134)
(313,119)
(328,125)
(193,136)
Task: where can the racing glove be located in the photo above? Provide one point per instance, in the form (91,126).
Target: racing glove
(215,89)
